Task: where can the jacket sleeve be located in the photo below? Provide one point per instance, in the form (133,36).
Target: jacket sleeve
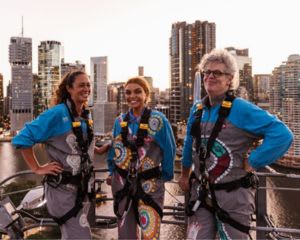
(188,141)
(111,152)
(49,123)
(277,137)
(169,150)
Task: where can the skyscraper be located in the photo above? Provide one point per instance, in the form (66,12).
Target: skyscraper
(104,112)
(20,58)
(188,44)
(285,101)
(49,63)
(99,79)
(244,63)
(70,67)
(261,85)
(1,97)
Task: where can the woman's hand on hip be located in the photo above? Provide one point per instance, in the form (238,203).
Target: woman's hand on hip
(52,168)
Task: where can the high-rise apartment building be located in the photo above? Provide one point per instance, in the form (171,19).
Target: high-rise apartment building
(70,67)
(7,100)
(20,58)
(49,64)
(104,112)
(1,97)
(244,63)
(285,101)
(261,90)
(261,86)
(36,95)
(188,44)
(99,79)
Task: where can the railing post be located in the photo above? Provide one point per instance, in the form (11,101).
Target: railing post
(91,217)
(261,206)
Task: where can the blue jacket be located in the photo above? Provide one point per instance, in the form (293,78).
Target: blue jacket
(54,128)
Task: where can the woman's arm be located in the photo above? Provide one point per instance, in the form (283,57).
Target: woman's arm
(52,168)
(102,149)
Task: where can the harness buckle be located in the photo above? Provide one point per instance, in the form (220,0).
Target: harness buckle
(132,174)
(53,180)
(250,180)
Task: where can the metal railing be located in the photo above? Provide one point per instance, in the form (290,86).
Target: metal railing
(264,227)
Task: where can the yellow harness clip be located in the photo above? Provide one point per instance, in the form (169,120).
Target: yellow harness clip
(144,126)
(226,104)
(123,124)
(76,124)
(91,122)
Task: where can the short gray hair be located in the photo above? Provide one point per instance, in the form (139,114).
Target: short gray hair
(225,57)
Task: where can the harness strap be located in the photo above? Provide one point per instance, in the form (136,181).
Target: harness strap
(63,178)
(71,213)
(82,190)
(148,200)
(145,175)
(139,194)
(224,216)
(249,180)
(204,154)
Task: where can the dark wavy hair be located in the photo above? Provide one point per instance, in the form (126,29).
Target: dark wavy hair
(62,93)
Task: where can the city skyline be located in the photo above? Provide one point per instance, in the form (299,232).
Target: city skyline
(136,33)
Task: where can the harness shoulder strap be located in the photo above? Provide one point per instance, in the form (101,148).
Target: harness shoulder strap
(224,112)
(82,190)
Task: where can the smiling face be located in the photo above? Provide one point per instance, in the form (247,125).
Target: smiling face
(136,97)
(216,80)
(80,89)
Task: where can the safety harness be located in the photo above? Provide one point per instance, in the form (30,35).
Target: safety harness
(82,179)
(206,190)
(132,190)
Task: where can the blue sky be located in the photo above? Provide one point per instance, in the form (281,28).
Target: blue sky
(136,33)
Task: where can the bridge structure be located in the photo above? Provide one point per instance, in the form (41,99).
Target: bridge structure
(262,227)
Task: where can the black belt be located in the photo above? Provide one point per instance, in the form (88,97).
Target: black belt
(81,181)
(250,180)
(145,175)
(63,178)
(139,194)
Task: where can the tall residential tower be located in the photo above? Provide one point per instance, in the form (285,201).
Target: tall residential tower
(104,112)
(188,44)
(20,58)
(285,101)
(49,64)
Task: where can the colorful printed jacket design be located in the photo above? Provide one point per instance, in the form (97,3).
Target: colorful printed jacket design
(158,150)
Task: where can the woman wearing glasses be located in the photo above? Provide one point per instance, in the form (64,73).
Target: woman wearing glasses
(221,132)
(140,161)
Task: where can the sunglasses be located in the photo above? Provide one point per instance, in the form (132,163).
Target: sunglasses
(216,73)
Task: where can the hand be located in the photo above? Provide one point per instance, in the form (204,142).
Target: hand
(183,183)
(102,149)
(108,180)
(52,168)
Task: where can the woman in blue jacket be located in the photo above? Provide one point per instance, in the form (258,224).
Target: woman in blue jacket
(221,131)
(140,161)
(66,131)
